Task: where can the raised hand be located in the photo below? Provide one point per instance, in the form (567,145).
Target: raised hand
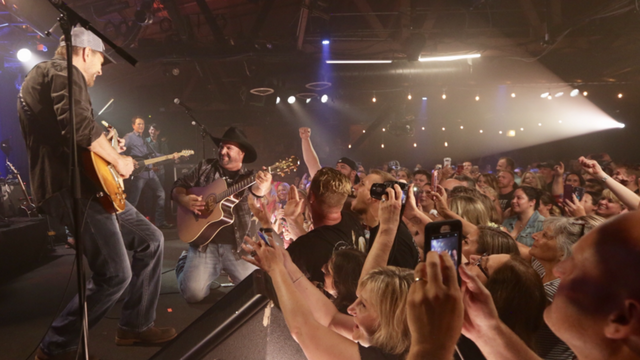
(294,205)
(263,256)
(558,170)
(389,210)
(440,199)
(480,312)
(591,166)
(574,207)
(305,133)
(259,211)
(434,306)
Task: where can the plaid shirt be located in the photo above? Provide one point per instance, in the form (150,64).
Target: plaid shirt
(208,171)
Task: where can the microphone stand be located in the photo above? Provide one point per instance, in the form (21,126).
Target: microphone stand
(203,131)
(68,19)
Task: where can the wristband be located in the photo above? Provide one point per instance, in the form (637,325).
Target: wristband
(254,194)
(604,179)
(266,230)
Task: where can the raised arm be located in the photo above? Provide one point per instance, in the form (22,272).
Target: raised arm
(308,153)
(628,197)
(440,199)
(483,326)
(389,214)
(557,187)
(316,340)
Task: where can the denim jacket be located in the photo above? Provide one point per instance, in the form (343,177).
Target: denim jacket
(533,226)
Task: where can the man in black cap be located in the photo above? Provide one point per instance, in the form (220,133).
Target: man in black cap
(345,165)
(546,169)
(198,267)
(44,118)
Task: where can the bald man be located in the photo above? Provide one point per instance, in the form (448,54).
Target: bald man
(596,310)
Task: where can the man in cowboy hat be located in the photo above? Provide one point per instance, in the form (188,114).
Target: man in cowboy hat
(201,265)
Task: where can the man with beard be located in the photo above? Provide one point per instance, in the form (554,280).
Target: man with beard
(198,267)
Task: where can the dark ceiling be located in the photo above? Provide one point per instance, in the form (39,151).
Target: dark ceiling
(211,53)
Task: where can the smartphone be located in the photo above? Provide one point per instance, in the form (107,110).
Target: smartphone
(380,189)
(568,192)
(459,169)
(447,162)
(416,192)
(445,236)
(578,192)
(435,179)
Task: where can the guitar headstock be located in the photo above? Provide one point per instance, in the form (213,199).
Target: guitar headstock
(11,167)
(186,153)
(284,166)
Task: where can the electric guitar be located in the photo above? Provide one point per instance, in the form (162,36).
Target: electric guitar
(142,164)
(105,175)
(219,202)
(27,208)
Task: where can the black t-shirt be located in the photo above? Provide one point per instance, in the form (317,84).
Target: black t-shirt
(374,353)
(404,252)
(227,235)
(314,249)
(505,200)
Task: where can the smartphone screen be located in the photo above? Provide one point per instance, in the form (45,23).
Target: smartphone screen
(579,192)
(445,236)
(447,242)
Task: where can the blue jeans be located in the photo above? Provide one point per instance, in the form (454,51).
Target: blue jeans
(201,268)
(133,188)
(106,241)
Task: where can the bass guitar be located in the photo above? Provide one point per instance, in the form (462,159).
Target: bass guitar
(219,202)
(142,164)
(27,208)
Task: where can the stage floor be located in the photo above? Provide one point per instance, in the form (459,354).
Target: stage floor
(29,302)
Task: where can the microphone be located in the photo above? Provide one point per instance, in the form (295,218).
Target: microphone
(180,103)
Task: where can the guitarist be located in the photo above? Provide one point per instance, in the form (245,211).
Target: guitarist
(138,148)
(43,111)
(199,266)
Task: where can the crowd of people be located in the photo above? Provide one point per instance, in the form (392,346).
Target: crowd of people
(542,273)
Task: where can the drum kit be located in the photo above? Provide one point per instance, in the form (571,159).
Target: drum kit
(14,198)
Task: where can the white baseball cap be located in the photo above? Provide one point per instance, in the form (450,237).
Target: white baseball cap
(84,38)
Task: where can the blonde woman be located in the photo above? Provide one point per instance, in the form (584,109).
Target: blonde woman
(470,209)
(533,180)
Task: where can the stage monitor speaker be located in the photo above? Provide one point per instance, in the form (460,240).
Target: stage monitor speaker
(243,325)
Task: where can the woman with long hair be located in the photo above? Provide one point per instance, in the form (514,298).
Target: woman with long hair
(526,219)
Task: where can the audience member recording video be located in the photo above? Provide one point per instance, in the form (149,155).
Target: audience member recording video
(548,261)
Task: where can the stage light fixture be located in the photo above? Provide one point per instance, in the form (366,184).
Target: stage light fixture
(349,146)
(574,92)
(358,61)
(549,97)
(442,129)
(480,131)
(477,98)
(539,124)
(324,98)
(291,99)
(308,101)
(446,144)
(364,131)
(409,96)
(382,146)
(444,94)
(558,94)
(424,98)
(461,127)
(620,96)
(374,98)
(521,129)
(513,95)
(584,93)
(415,145)
(326,42)
(277,100)
(500,132)
(383,129)
(620,125)
(449,58)
(559,121)
(423,128)
(24,55)
(511,133)
(544,95)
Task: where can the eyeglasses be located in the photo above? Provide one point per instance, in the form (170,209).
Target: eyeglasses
(478,263)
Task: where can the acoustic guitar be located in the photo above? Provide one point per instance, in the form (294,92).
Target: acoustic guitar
(219,202)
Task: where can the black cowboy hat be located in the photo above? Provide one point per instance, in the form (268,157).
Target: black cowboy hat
(237,136)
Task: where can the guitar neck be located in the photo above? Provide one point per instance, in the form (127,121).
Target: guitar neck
(155,160)
(237,187)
